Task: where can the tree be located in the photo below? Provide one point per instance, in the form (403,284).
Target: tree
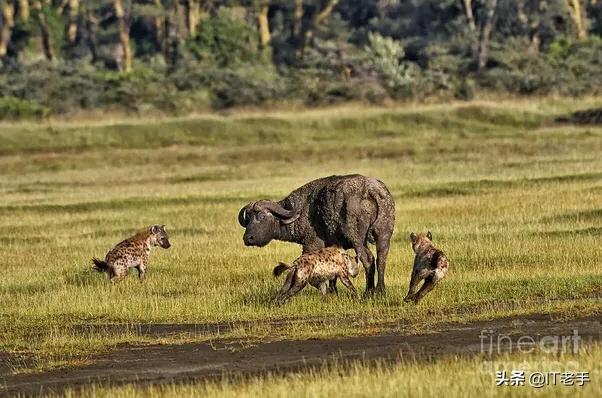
(263,25)
(24,10)
(578,17)
(306,30)
(193,12)
(124,36)
(8,21)
(486,27)
(40,10)
(469,15)
(72,24)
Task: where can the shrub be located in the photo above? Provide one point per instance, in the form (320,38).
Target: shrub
(224,41)
(386,55)
(15,108)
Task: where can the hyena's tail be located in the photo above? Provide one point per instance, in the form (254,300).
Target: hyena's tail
(280,268)
(99,265)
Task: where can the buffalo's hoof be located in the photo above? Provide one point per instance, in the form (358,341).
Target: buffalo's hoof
(380,291)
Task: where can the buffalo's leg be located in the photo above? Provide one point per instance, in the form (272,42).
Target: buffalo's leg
(367,260)
(382,251)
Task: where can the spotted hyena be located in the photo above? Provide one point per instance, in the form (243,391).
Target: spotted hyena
(132,253)
(430,264)
(317,268)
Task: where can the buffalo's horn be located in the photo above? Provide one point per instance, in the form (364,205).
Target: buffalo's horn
(242,216)
(276,208)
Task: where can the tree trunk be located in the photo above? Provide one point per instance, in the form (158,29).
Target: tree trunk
(92,27)
(24,10)
(469,15)
(485,34)
(180,16)
(8,21)
(73,16)
(193,17)
(264,25)
(44,32)
(325,13)
(124,35)
(318,18)
(577,14)
(297,23)
(160,27)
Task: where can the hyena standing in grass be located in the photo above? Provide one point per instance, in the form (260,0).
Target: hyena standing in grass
(132,253)
(430,264)
(317,268)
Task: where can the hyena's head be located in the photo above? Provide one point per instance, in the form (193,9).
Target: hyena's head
(421,240)
(352,264)
(159,236)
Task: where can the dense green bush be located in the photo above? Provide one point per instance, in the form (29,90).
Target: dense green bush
(15,108)
(567,67)
(224,41)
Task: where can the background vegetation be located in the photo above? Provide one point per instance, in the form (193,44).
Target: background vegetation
(177,56)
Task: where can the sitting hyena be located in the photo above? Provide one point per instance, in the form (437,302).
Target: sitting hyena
(132,253)
(317,268)
(430,264)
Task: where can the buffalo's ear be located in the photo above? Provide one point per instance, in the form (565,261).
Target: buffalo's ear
(413,237)
(429,235)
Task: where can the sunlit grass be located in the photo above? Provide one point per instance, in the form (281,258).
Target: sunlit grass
(513,201)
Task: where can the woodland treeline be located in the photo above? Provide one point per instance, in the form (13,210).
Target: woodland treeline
(174,56)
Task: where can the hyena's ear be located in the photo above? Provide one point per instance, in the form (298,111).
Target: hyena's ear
(429,235)
(155,229)
(413,237)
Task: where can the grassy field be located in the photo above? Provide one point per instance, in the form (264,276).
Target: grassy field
(513,199)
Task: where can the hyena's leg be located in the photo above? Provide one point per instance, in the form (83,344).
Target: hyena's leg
(118,273)
(429,283)
(324,288)
(141,271)
(296,288)
(291,279)
(332,286)
(417,276)
(347,283)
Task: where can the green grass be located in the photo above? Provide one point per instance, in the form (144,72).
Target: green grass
(513,200)
(449,377)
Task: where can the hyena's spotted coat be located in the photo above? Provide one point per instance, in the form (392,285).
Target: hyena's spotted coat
(317,268)
(132,253)
(430,264)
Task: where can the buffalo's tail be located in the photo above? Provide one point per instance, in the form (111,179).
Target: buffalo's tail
(280,268)
(99,265)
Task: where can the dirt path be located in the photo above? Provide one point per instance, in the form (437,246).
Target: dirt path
(197,361)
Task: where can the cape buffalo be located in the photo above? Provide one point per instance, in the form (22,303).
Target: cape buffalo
(347,211)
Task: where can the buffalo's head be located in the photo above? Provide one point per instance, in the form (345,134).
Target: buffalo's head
(263,220)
